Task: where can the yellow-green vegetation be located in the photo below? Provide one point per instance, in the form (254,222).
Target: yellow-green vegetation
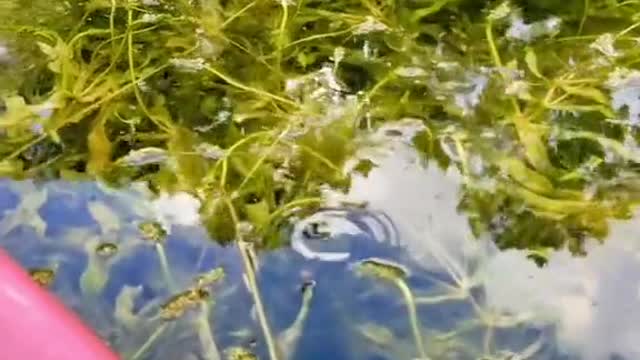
(395,274)
(43,276)
(254,106)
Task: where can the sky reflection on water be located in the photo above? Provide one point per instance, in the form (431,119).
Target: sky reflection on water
(574,308)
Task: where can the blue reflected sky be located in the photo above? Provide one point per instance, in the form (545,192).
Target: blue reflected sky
(472,300)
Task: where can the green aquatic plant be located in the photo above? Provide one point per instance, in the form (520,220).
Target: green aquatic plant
(196,298)
(144,348)
(107,249)
(237,353)
(255,108)
(288,339)
(395,274)
(124,311)
(210,277)
(249,262)
(96,274)
(198,293)
(205,335)
(179,303)
(203,326)
(153,232)
(43,276)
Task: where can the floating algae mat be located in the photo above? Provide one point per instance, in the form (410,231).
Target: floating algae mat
(427,179)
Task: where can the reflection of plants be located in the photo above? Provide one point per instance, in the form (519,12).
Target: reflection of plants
(395,274)
(180,303)
(249,266)
(146,346)
(453,343)
(154,233)
(288,339)
(197,297)
(465,280)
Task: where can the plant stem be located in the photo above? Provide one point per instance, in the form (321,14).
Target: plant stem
(160,123)
(413,317)
(246,88)
(262,159)
(294,204)
(209,347)
(255,293)
(281,32)
(250,276)
(152,339)
(585,14)
(164,263)
(240,12)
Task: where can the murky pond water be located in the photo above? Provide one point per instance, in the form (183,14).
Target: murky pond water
(402,279)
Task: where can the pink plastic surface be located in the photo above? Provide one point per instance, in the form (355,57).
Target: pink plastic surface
(34,324)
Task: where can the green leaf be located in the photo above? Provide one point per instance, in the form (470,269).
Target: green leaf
(191,167)
(258,213)
(587,92)
(527,177)
(566,106)
(100,148)
(11,168)
(531,60)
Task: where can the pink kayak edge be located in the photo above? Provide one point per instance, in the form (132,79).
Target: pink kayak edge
(34,324)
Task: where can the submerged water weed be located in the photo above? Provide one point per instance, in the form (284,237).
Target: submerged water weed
(43,276)
(209,278)
(198,297)
(376,334)
(289,338)
(180,303)
(95,276)
(152,231)
(395,274)
(190,298)
(383,269)
(238,353)
(106,249)
(155,233)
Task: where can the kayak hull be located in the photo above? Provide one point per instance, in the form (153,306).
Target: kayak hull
(34,324)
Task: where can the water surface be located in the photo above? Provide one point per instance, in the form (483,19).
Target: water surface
(472,299)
